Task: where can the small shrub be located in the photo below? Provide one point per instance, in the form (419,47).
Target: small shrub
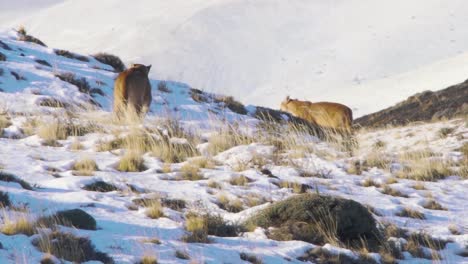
(17,76)
(227,138)
(61,129)
(190,172)
(4,123)
(76,145)
(253,199)
(182,254)
(70,247)
(232,104)
(408,212)
(422,166)
(415,245)
(250,258)
(2,57)
(70,55)
(217,226)
(85,167)
(295,186)
(379,144)
(154,210)
(239,180)
(376,159)
(393,192)
(43,62)
(111,60)
(433,205)
(51,143)
(23,36)
(110,145)
(445,131)
(4,200)
(174,204)
(7,177)
(214,184)
(173,152)
(81,83)
(131,162)
(153,240)
(232,206)
(368,182)
(52,102)
(419,186)
(19,225)
(162,87)
(198,229)
(148,260)
(100,186)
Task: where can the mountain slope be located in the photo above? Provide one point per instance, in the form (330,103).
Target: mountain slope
(426,106)
(145,187)
(259,51)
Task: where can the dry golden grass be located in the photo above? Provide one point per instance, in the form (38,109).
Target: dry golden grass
(214,184)
(240,180)
(231,205)
(109,145)
(422,166)
(433,205)
(131,162)
(84,167)
(368,182)
(254,199)
(4,122)
(190,172)
(227,137)
(17,224)
(393,192)
(411,213)
(198,228)
(376,159)
(30,125)
(203,162)
(154,209)
(419,186)
(148,259)
(296,187)
(166,168)
(76,145)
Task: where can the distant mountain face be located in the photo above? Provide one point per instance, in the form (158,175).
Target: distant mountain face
(425,106)
(259,51)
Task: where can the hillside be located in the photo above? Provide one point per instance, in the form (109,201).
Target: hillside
(203,179)
(426,106)
(317,51)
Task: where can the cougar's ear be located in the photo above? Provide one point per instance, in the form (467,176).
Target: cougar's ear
(148,67)
(288,99)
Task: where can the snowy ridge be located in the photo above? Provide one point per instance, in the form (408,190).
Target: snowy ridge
(123,227)
(258,51)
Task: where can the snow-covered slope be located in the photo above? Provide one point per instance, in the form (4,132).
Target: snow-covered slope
(366,54)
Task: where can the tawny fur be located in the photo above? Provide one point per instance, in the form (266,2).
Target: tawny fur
(132,90)
(326,114)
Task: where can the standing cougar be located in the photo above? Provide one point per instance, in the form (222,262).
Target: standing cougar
(132,90)
(334,116)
